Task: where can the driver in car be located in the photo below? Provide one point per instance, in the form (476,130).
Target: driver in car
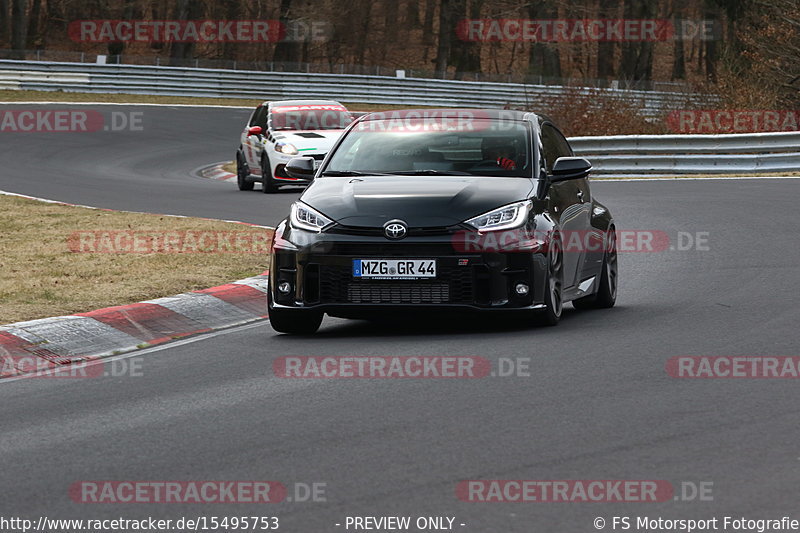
(501,152)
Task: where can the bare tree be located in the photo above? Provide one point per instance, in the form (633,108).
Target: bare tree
(769,59)
(361,49)
(466,54)
(391,21)
(232,12)
(607,50)
(3,21)
(427,25)
(286,50)
(422,34)
(637,56)
(710,50)
(179,53)
(544,58)
(446,29)
(19,26)
(412,15)
(33,32)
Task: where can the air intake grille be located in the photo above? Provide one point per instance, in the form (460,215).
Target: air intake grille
(386,293)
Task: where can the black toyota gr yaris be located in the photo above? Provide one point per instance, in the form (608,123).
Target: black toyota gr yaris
(430,209)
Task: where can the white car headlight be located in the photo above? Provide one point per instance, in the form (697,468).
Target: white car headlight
(506,217)
(286,148)
(304,217)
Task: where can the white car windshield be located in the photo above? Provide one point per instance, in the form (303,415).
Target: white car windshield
(309,117)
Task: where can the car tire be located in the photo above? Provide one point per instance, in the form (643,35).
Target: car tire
(294,321)
(554,286)
(268,185)
(243,174)
(606,295)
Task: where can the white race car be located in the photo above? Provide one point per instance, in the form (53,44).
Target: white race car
(278,131)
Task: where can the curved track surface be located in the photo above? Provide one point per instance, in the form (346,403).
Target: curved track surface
(147,169)
(598,403)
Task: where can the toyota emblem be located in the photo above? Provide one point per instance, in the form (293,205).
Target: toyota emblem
(395,229)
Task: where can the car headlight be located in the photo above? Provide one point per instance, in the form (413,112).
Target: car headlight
(506,217)
(304,217)
(286,148)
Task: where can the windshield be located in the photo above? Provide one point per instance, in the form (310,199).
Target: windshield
(422,147)
(309,117)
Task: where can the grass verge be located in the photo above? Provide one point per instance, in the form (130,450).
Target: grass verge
(46,273)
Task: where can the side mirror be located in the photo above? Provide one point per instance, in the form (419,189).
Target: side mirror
(300,167)
(570,168)
(255,130)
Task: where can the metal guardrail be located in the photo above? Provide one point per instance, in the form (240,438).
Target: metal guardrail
(381,90)
(691,154)
(50,55)
(622,154)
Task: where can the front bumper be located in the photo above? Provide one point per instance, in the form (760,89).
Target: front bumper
(281,177)
(321,276)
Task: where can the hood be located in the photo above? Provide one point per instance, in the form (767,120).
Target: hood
(312,141)
(419,201)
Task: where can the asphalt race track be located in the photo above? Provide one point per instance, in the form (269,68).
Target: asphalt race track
(597,404)
(146,170)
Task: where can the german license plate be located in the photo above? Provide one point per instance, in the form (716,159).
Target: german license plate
(394,268)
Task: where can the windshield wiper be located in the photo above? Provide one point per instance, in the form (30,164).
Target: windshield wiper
(431,172)
(352,173)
